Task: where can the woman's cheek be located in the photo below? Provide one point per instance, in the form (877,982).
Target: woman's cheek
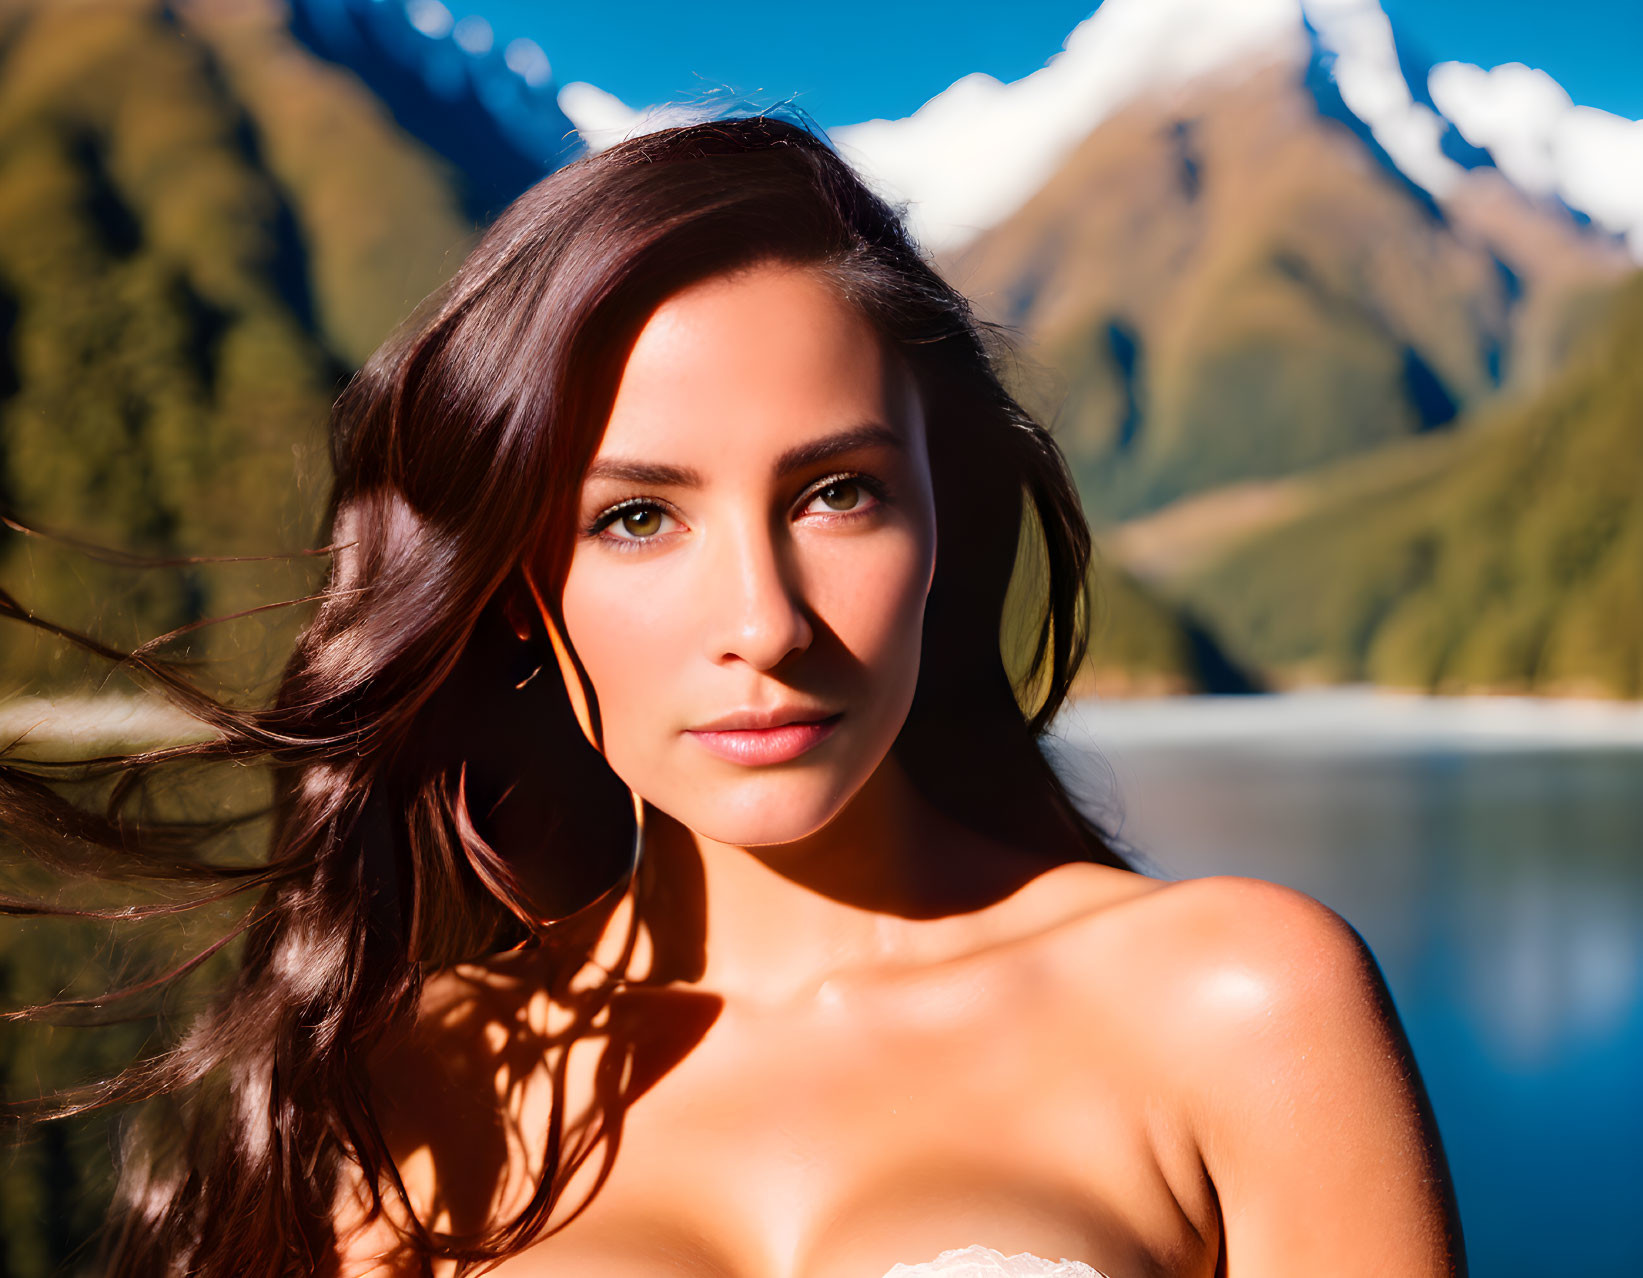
(872,596)
(627,629)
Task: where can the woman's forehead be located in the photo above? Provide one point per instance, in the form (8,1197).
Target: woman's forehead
(756,361)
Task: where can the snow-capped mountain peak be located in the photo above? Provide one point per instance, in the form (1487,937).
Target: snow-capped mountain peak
(974,153)
(1018,133)
(971,155)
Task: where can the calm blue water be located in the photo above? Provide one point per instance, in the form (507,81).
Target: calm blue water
(1502,892)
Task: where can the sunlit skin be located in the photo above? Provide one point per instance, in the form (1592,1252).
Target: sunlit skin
(756,535)
(859,1033)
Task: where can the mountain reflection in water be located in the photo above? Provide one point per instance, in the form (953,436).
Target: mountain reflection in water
(1491,854)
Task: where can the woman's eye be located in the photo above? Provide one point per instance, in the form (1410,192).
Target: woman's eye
(645,521)
(634,523)
(842,496)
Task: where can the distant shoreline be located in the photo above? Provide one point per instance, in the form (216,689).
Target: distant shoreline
(1337,719)
(1353,718)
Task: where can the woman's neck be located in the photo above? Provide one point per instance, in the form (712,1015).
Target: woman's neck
(890,880)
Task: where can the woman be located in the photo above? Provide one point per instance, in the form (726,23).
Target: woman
(665,876)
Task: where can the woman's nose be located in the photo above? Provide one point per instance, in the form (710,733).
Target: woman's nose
(759,613)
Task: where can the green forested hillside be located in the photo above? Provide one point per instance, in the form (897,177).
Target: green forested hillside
(1142,644)
(1509,557)
(201,229)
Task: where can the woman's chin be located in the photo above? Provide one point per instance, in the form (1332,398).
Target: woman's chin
(754,832)
(762,815)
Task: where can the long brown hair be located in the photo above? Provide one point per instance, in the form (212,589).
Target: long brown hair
(409,737)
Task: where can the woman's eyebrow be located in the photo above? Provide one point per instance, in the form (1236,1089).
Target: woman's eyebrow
(650,474)
(661,475)
(871,434)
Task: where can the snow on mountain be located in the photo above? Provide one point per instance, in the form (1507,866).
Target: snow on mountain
(973,154)
(1017,134)
(1547,145)
(1355,42)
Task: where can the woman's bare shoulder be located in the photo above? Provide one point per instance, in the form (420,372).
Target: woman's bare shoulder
(1259,1019)
(1260,1014)
(1192,966)
(1192,929)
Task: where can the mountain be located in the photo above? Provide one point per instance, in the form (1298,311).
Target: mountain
(1508,557)
(1235,280)
(975,153)
(202,229)
(1144,643)
(491,112)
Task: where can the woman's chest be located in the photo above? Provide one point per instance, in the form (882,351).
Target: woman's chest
(836,1146)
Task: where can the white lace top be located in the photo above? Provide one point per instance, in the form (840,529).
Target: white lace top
(983,1262)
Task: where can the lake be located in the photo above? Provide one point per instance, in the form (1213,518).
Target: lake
(1490,851)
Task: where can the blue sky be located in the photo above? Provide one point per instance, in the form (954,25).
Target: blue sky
(1594,48)
(853,60)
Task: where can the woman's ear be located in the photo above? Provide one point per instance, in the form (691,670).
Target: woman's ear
(516,612)
(577,686)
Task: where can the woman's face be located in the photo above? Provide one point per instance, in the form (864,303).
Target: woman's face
(755,543)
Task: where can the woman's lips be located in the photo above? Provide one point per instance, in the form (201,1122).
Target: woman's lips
(755,746)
